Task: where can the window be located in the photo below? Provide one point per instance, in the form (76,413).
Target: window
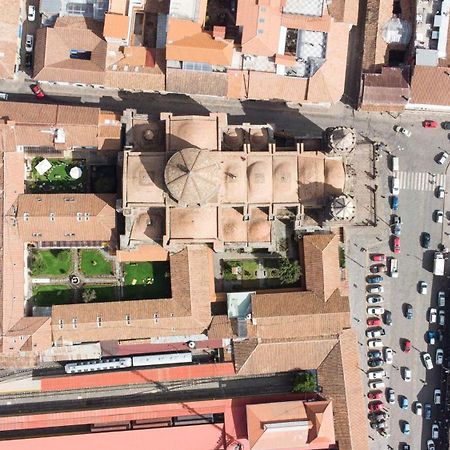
(26,217)
(202,67)
(36,234)
(86,216)
(80,54)
(156,318)
(60,324)
(128,319)
(99,321)
(75,322)
(79,217)
(52,217)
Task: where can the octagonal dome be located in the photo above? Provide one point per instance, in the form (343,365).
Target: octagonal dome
(191,176)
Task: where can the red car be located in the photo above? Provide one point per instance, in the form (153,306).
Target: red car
(37,91)
(407,346)
(376,406)
(378,257)
(378,268)
(375,395)
(396,244)
(374,322)
(430,124)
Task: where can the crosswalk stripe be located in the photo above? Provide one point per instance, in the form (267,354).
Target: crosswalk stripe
(420,181)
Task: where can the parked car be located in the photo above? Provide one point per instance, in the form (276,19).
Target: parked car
(418,408)
(408,311)
(395,186)
(406,346)
(439,356)
(432,315)
(374,354)
(407,375)
(375,343)
(4,96)
(394,202)
(445,125)
(375,332)
(31,13)
(425,239)
(432,336)
(405,447)
(375,395)
(396,229)
(440,192)
(423,288)
(375,299)
(430,124)
(427,362)
(405,427)
(378,257)
(388,355)
(29,41)
(375,406)
(402,130)
(390,395)
(375,310)
(438,215)
(388,317)
(377,268)
(435,431)
(441,299)
(396,244)
(441,315)
(375,289)
(437,396)
(378,384)
(404,404)
(442,158)
(427,411)
(37,91)
(374,279)
(374,322)
(430,445)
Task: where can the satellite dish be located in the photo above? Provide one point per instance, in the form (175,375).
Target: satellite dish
(75,173)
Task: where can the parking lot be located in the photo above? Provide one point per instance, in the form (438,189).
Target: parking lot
(418,178)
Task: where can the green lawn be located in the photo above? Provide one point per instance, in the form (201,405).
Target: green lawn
(48,295)
(104,293)
(248,269)
(93,263)
(146,280)
(50,262)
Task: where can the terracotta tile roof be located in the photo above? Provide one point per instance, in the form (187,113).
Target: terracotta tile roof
(430,86)
(344,11)
(237,83)
(9,24)
(220,327)
(64,217)
(116,26)
(193,82)
(26,326)
(143,253)
(306,22)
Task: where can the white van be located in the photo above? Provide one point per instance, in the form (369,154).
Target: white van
(3,96)
(395,164)
(395,185)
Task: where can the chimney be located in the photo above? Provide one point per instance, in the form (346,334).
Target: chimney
(219,32)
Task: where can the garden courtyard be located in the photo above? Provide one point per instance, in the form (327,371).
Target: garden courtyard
(62,276)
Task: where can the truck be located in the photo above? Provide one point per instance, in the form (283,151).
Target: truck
(438,264)
(393,267)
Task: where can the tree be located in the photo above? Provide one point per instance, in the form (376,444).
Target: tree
(304,382)
(289,272)
(89,295)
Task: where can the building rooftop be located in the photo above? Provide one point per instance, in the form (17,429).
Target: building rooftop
(9,24)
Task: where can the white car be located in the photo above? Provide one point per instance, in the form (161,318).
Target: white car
(388,355)
(430,445)
(374,343)
(376,385)
(439,356)
(407,374)
(375,289)
(441,299)
(402,130)
(435,431)
(395,186)
(438,216)
(437,396)
(375,299)
(376,374)
(29,41)
(427,361)
(442,158)
(376,333)
(418,408)
(31,13)
(432,315)
(441,315)
(375,310)
(423,288)
(440,192)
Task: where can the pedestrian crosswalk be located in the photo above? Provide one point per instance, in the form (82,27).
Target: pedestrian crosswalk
(420,181)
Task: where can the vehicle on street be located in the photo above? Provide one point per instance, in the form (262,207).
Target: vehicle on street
(406,346)
(405,447)
(437,396)
(375,406)
(407,375)
(387,317)
(435,431)
(427,361)
(377,268)
(430,445)
(3,96)
(402,130)
(378,257)
(404,404)
(394,202)
(432,315)
(418,408)
(395,186)
(374,279)
(31,13)
(423,288)
(438,215)
(430,124)
(374,322)
(441,317)
(375,395)
(396,229)
(439,356)
(405,427)
(375,343)
(374,299)
(442,158)
(432,336)
(375,332)
(440,192)
(37,91)
(396,244)
(375,289)
(394,164)
(396,220)
(390,395)
(425,239)
(408,311)
(427,411)
(438,264)
(28,60)
(378,384)
(445,125)
(388,355)
(374,354)
(375,310)
(29,41)
(393,267)
(441,299)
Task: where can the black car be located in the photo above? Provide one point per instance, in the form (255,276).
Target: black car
(375,362)
(408,311)
(427,411)
(425,239)
(445,125)
(374,354)
(388,317)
